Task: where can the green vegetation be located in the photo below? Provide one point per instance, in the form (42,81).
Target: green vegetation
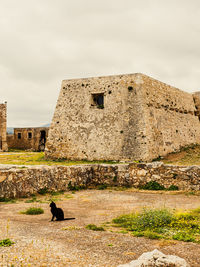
(43,191)
(68,196)
(187,156)
(56,193)
(34,199)
(94,227)
(153,185)
(20,157)
(6,242)
(102,186)
(7,200)
(75,187)
(173,188)
(162,223)
(33,211)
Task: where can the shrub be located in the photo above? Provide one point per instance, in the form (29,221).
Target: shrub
(173,188)
(43,191)
(162,223)
(147,219)
(75,187)
(7,200)
(6,242)
(94,227)
(102,186)
(154,218)
(152,185)
(33,211)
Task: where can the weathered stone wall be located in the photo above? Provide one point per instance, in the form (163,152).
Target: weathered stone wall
(81,130)
(23,181)
(3,127)
(141,119)
(170,117)
(30,138)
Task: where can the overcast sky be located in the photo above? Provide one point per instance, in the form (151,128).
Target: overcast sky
(43,42)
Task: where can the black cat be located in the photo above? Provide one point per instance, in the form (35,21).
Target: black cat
(58,213)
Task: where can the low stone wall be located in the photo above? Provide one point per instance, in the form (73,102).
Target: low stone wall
(18,181)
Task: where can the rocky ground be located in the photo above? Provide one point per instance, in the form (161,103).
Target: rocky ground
(40,242)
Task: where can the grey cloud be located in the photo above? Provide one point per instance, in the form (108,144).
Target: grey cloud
(43,42)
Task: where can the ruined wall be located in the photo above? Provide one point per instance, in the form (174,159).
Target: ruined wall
(141,119)
(27,138)
(3,127)
(82,130)
(170,116)
(24,181)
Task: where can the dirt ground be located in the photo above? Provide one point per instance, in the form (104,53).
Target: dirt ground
(40,242)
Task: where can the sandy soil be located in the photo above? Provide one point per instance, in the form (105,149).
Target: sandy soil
(40,242)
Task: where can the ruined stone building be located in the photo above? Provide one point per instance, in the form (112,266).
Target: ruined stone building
(3,127)
(28,138)
(123,117)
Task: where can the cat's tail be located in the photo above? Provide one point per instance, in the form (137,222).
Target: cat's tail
(69,218)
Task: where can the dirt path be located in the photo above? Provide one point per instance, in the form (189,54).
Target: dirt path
(39,242)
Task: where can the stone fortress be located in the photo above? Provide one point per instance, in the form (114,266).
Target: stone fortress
(123,117)
(3,127)
(28,138)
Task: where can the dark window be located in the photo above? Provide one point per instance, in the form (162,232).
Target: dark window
(29,135)
(19,135)
(98,100)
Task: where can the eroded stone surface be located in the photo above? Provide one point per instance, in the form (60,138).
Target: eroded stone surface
(25,180)
(140,119)
(156,258)
(3,127)
(28,138)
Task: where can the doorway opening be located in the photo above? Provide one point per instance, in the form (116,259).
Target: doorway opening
(42,140)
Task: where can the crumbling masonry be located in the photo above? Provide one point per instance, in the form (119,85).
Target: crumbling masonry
(28,138)
(124,117)
(3,127)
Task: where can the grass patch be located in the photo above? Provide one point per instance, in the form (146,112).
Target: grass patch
(56,193)
(7,200)
(32,200)
(153,185)
(20,157)
(162,224)
(33,211)
(6,242)
(68,196)
(94,227)
(71,228)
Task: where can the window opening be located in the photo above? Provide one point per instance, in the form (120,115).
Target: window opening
(29,135)
(98,100)
(19,135)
